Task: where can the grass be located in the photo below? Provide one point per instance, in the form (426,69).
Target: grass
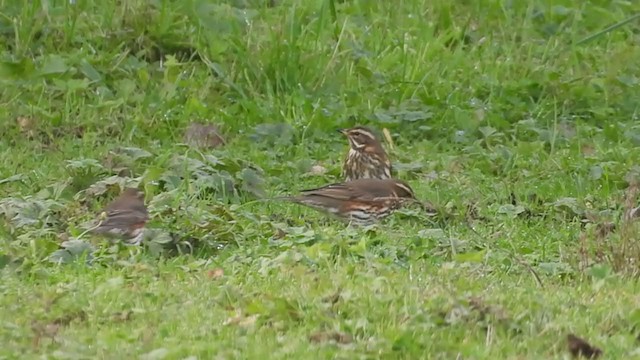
(523,136)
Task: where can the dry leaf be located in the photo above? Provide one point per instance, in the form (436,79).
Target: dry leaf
(241,320)
(324,336)
(630,201)
(633,213)
(279,234)
(203,136)
(43,330)
(587,150)
(51,329)
(122,316)
(317,170)
(387,136)
(215,273)
(26,125)
(485,310)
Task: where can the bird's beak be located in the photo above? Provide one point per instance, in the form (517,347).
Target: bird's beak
(343,131)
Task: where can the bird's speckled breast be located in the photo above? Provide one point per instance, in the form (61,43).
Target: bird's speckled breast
(359,165)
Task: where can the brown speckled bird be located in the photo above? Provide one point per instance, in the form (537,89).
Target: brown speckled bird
(366,158)
(125,217)
(360,202)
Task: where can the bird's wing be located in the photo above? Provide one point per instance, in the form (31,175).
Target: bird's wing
(123,218)
(338,191)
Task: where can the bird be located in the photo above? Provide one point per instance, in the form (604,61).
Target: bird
(361,202)
(125,217)
(366,158)
(578,347)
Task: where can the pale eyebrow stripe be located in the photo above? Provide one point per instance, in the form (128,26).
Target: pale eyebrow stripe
(365,132)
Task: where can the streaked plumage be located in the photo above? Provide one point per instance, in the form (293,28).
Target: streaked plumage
(366,158)
(360,202)
(126,217)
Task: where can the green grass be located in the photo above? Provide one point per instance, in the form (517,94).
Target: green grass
(524,138)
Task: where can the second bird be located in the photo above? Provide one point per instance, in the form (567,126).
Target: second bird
(366,158)
(126,217)
(359,202)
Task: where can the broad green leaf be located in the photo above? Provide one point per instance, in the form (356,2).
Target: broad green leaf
(61,256)
(595,172)
(278,133)
(252,182)
(133,152)
(102,186)
(89,71)
(511,210)
(53,64)
(84,164)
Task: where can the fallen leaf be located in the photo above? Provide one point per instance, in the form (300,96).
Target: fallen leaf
(279,234)
(587,150)
(50,329)
(630,201)
(203,136)
(484,310)
(26,125)
(215,273)
(122,316)
(633,213)
(336,336)
(317,170)
(41,330)
(241,320)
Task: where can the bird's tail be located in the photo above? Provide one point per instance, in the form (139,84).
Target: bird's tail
(295,199)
